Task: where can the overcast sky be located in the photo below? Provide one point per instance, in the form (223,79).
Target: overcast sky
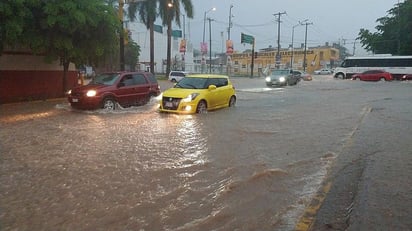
(332,21)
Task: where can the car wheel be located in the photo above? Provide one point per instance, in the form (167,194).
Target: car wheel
(173,80)
(201,107)
(109,104)
(232,101)
(382,79)
(340,76)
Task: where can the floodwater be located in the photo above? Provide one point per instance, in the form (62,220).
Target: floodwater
(251,167)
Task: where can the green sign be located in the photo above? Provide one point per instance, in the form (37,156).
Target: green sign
(244,38)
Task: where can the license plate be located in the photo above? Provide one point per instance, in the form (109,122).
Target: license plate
(75,100)
(169,104)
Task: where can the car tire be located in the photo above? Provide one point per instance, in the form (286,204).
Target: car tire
(109,104)
(340,76)
(201,107)
(173,81)
(232,101)
(382,79)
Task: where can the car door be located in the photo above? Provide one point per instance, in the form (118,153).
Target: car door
(141,89)
(125,91)
(213,95)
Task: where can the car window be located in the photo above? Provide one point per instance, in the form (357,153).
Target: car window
(127,80)
(139,79)
(192,83)
(106,79)
(151,78)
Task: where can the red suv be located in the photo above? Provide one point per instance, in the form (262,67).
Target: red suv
(108,89)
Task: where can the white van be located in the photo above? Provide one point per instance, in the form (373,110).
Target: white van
(176,76)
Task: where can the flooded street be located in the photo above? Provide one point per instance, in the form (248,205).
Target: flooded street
(251,167)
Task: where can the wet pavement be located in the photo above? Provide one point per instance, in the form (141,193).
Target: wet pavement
(253,167)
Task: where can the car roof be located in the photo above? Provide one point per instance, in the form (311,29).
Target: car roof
(207,76)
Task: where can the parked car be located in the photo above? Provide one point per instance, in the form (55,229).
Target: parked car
(281,77)
(373,75)
(198,94)
(176,76)
(407,77)
(107,89)
(302,75)
(323,72)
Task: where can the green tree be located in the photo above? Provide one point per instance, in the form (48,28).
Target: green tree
(169,13)
(132,52)
(74,31)
(394,32)
(12,18)
(147,13)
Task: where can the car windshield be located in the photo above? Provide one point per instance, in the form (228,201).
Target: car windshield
(280,72)
(105,79)
(192,83)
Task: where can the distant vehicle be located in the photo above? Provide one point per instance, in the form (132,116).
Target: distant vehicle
(373,75)
(176,76)
(407,77)
(323,72)
(198,94)
(281,77)
(302,75)
(396,65)
(107,89)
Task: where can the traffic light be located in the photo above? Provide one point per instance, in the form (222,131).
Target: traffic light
(256,54)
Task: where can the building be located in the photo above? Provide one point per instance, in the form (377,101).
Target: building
(316,58)
(180,59)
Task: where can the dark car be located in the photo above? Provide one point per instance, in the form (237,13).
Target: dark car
(107,89)
(281,77)
(373,75)
(407,77)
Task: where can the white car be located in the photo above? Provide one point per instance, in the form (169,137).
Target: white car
(176,76)
(323,72)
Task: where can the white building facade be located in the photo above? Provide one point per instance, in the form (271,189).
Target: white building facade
(179,60)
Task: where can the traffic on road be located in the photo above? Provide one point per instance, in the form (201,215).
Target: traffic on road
(254,166)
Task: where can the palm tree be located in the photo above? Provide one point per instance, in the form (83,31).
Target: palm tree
(169,10)
(148,14)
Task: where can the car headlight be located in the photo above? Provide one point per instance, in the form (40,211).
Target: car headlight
(190,97)
(91,93)
(282,79)
(69,92)
(268,79)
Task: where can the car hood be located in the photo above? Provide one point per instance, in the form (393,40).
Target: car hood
(181,92)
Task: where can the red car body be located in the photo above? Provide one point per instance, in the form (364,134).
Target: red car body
(373,75)
(407,77)
(124,88)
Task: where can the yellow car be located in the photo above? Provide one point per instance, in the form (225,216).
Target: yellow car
(199,93)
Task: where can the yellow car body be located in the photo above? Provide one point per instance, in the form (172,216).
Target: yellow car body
(199,93)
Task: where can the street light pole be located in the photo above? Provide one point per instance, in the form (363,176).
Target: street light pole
(210,45)
(293,49)
(204,31)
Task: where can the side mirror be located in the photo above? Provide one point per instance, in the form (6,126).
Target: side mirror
(212,87)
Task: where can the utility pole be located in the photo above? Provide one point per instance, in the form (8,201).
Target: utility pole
(306,41)
(121,35)
(210,44)
(278,52)
(230,22)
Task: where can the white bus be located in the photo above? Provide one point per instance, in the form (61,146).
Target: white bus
(396,65)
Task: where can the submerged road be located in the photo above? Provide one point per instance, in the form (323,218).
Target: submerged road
(326,154)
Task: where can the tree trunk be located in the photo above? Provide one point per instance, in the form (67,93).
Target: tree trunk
(152,47)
